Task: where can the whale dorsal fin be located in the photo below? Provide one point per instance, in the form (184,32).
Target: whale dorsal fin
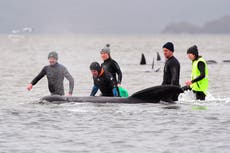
(143,60)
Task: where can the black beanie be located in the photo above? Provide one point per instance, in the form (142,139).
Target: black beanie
(193,50)
(95,66)
(169,46)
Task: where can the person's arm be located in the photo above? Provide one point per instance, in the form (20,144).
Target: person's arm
(164,80)
(94,90)
(201,67)
(69,77)
(113,83)
(37,78)
(118,71)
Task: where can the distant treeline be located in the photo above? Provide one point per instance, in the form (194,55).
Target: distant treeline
(219,26)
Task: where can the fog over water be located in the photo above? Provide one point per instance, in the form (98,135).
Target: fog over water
(106,16)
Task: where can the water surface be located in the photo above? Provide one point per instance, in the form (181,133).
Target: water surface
(27,126)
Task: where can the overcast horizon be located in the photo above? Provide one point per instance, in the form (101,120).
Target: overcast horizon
(106,16)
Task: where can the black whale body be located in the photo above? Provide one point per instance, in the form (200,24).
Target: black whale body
(149,95)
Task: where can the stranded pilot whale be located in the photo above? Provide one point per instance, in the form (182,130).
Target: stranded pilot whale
(149,95)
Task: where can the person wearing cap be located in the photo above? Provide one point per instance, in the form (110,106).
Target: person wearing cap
(199,81)
(111,66)
(103,80)
(171,74)
(55,74)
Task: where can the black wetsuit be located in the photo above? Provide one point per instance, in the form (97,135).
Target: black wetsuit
(105,83)
(55,75)
(199,94)
(172,73)
(112,67)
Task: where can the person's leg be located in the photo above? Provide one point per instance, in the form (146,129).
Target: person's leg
(200,95)
(115,92)
(118,91)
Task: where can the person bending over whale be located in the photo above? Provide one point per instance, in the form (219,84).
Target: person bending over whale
(55,73)
(111,66)
(103,80)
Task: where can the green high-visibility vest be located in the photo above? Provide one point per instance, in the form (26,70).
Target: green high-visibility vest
(201,85)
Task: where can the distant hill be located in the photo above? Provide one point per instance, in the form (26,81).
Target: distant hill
(221,26)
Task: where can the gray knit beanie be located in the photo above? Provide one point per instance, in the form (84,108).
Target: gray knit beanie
(53,54)
(106,49)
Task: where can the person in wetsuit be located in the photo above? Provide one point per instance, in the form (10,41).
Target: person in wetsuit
(55,74)
(171,74)
(111,66)
(103,80)
(199,82)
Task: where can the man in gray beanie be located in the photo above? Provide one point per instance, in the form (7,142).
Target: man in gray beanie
(172,67)
(55,73)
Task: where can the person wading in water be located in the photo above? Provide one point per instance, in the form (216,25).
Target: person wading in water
(171,74)
(199,82)
(55,74)
(111,66)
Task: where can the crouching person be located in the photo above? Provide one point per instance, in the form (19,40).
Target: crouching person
(103,81)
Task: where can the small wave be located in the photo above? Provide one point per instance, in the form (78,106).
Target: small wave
(189,97)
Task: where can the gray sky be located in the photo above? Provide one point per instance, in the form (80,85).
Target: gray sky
(106,16)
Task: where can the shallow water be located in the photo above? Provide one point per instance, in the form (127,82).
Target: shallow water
(188,126)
